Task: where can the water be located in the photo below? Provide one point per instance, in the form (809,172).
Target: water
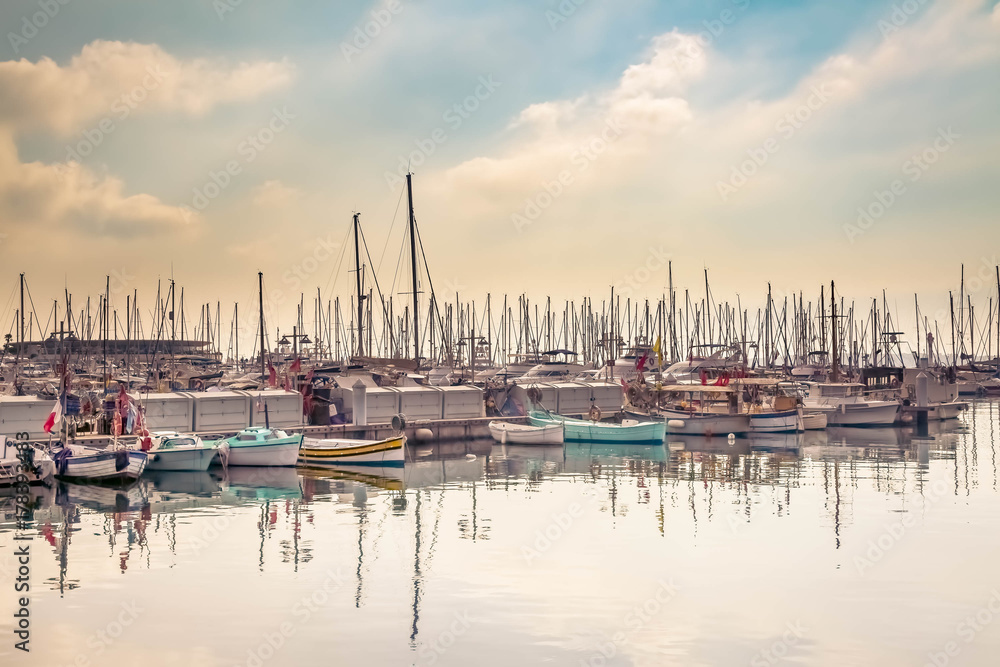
(867,547)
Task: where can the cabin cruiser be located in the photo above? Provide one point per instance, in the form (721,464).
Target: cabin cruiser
(556,366)
(695,368)
(845,404)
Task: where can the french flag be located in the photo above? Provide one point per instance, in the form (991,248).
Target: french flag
(54,416)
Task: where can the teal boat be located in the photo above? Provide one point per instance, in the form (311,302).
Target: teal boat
(629,432)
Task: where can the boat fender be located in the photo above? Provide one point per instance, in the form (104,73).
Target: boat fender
(423,435)
(675,423)
(595,413)
(156,458)
(399,422)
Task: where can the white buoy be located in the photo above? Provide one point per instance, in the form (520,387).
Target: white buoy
(676,423)
(731,439)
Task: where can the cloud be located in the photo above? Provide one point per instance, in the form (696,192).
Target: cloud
(274,193)
(108,78)
(103,85)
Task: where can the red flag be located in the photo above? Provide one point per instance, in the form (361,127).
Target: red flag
(640,363)
(272,375)
(704,376)
(296,365)
(54,416)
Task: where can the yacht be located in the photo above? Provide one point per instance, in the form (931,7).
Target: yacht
(845,404)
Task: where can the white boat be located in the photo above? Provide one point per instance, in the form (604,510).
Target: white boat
(845,404)
(261,446)
(813,421)
(681,422)
(388,452)
(630,431)
(779,421)
(32,463)
(99,465)
(175,451)
(523,434)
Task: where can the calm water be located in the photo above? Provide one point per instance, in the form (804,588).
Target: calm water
(865,547)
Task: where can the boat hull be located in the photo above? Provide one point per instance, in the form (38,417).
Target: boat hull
(101,466)
(684,423)
(389,452)
(182,459)
(519,434)
(267,454)
(577,430)
(883,413)
(10,471)
(786,421)
(813,421)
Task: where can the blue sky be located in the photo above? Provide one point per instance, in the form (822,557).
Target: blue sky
(692,121)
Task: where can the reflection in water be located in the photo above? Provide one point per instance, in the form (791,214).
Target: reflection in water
(470,507)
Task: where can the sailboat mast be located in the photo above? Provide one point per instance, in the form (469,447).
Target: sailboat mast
(413,269)
(260,296)
(361,296)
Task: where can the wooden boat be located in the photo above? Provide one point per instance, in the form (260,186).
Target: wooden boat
(390,451)
(261,446)
(580,430)
(28,463)
(813,421)
(524,434)
(99,465)
(778,421)
(682,422)
(175,451)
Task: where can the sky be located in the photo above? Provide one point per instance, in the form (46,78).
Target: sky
(557,148)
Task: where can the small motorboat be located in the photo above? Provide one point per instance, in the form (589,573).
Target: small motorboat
(99,465)
(261,446)
(35,465)
(524,434)
(630,431)
(171,450)
(775,421)
(388,452)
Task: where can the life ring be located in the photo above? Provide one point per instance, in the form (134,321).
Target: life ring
(595,413)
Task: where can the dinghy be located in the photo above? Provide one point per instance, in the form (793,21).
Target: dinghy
(524,434)
(171,450)
(388,452)
(99,465)
(580,430)
(262,446)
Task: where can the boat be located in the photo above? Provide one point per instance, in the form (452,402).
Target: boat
(813,421)
(99,465)
(27,463)
(388,452)
(525,434)
(775,421)
(261,446)
(579,430)
(845,404)
(679,422)
(175,451)
(697,409)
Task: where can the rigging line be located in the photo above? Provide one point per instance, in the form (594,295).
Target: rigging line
(385,311)
(336,269)
(391,227)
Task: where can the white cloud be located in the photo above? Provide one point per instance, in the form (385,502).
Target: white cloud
(275,194)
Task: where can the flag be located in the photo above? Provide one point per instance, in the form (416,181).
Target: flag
(54,416)
(640,363)
(704,376)
(659,352)
(296,365)
(272,375)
